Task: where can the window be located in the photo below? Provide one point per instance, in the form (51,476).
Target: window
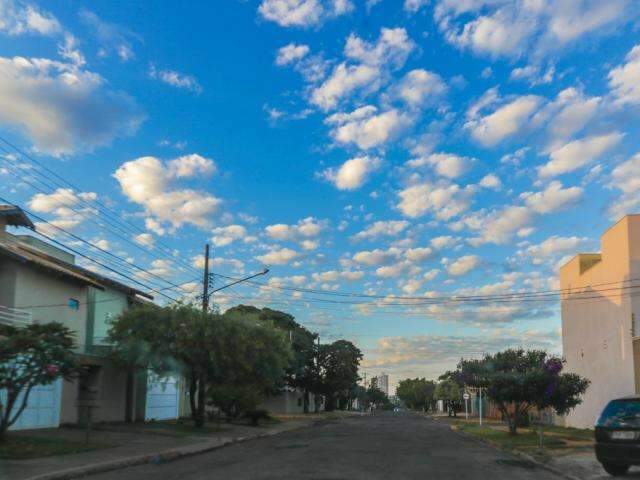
(621,414)
(74,304)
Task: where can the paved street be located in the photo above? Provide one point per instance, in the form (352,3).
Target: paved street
(382,446)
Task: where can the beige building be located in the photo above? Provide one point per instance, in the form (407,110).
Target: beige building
(41,283)
(600,312)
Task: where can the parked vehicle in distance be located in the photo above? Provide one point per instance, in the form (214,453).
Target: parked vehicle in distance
(618,435)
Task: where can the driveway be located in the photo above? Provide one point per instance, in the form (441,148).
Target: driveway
(381,446)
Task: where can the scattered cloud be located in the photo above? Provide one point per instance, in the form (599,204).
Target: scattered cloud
(624,80)
(388,228)
(353,173)
(303,13)
(176,79)
(62,108)
(578,153)
(150,183)
(291,53)
(278,256)
(444,201)
(463,265)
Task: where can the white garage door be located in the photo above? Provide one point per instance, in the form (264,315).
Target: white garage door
(162,398)
(43,408)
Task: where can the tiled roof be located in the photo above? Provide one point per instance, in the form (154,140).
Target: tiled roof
(15,216)
(22,253)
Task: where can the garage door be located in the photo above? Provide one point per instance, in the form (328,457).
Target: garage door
(162,398)
(43,409)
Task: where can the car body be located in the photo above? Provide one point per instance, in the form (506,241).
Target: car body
(617,432)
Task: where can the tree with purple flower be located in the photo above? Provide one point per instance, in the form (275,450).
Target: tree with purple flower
(518,380)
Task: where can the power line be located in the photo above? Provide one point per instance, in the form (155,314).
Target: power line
(102,206)
(87,215)
(105,266)
(80,239)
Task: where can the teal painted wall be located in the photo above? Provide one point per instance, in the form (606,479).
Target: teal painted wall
(104,307)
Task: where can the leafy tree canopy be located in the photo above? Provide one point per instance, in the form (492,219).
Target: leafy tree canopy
(37,354)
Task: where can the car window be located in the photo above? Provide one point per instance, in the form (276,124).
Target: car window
(620,413)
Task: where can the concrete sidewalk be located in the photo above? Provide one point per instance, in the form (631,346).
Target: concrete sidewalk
(133,445)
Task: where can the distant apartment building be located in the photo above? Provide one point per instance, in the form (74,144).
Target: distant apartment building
(41,283)
(600,319)
(382,381)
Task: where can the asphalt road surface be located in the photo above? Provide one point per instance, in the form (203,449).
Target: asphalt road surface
(381,446)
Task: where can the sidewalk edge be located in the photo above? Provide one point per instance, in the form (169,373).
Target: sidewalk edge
(157,457)
(521,455)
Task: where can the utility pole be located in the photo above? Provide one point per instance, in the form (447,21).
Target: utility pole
(205,280)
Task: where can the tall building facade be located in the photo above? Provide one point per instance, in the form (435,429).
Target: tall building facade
(382,381)
(600,319)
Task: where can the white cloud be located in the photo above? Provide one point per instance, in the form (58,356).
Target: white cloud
(431,274)
(504,122)
(501,28)
(68,207)
(578,153)
(498,226)
(420,87)
(280,256)
(353,173)
(372,130)
(176,79)
(553,247)
(308,227)
(16,18)
(382,228)
(490,181)
(392,271)
(291,53)
(148,182)
(223,236)
(113,38)
(303,13)
(190,165)
(420,254)
(626,178)
(553,198)
(370,71)
(412,6)
(344,80)
(443,201)
(62,108)
(376,257)
(443,241)
(144,239)
(392,47)
(624,80)
(463,265)
(446,165)
(567,115)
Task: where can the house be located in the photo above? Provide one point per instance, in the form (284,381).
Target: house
(291,401)
(41,283)
(600,313)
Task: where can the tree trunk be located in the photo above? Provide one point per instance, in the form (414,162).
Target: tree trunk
(513,424)
(193,388)
(128,408)
(305,401)
(202,386)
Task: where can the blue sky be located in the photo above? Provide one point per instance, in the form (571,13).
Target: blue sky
(392,149)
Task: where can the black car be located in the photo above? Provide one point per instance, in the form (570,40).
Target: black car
(618,435)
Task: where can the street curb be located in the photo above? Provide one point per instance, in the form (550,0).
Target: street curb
(521,455)
(155,458)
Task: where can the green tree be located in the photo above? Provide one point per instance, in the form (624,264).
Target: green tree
(417,393)
(301,372)
(338,364)
(37,354)
(450,393)
(518,380)
(208,349)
